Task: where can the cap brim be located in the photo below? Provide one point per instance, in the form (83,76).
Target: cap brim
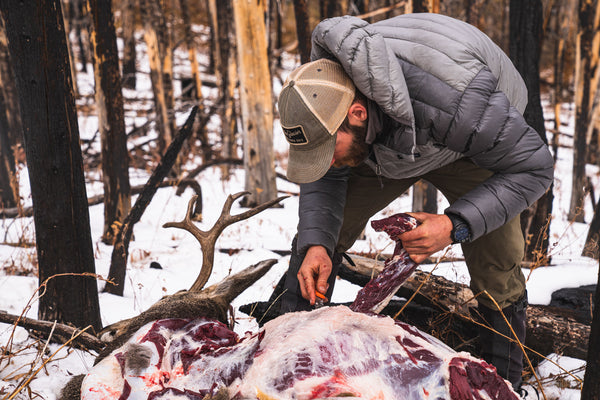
(305,166)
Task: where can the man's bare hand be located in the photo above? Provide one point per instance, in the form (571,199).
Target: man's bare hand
(432,235)
(314,272)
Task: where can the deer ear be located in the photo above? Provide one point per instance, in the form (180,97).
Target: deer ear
(357,113)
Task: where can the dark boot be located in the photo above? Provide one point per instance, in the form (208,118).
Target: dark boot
(291,298)
(502,353)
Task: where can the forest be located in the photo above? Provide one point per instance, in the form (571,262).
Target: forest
(181,87)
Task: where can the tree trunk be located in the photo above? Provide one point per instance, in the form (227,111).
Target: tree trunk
(424,197)
(526,22)
(302,29)
(225,65)
(129,10)
(587,63)
(9,109)
(155,37)
(472,12)
(81,22)
(37,45)
(67,18)
(549,329)
(275,30)
(111,119)
(8,195)
(191,47)
(256,101)
(426,6)
(591,380)
(195,70)
(330,8)
(9,92)
(592,242)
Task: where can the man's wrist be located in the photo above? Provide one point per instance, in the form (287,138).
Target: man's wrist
(461,232)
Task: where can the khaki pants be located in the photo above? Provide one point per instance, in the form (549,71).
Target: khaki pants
(493,260)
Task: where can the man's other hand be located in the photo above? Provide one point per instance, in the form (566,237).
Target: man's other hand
(432,235)
(314,272)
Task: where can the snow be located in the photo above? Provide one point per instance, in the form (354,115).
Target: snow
(179,255)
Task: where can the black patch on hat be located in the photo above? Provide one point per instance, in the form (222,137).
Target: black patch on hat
(295,135)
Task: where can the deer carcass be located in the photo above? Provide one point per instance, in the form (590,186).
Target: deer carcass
(330,352)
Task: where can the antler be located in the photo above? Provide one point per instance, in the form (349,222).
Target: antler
(208,239)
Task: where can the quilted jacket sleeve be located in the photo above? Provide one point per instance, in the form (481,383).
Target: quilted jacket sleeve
(495,136)
(321,210)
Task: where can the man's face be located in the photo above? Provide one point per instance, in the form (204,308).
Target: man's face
(350,146)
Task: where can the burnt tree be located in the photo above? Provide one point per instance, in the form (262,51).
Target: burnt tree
(472,12)
(111,118)
(9,93)
(592,242)
(161,72)
(10,124)
(591,380)
(424,193)
(424,197)
(8,197)
(68,29)
(302,29)
(225,67)
(196,88)
(526,20)
(129,11)
(585,78)
(330,8)
(256,101)
(38,48)
(421,6)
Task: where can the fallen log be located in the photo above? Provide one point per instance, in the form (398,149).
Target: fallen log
(549,329)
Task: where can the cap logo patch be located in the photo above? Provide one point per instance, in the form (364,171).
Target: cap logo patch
(295,135)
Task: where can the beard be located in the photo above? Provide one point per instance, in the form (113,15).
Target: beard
(358,151)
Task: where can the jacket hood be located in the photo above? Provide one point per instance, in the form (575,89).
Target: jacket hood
(370,63)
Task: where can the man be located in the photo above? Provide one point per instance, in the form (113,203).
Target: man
(418,96)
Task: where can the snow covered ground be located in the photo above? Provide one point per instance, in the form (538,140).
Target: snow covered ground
(179,255)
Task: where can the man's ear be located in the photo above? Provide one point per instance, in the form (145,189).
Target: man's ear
(357,113)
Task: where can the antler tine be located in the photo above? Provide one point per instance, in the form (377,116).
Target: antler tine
(227,219)
(187,223)
(208,239)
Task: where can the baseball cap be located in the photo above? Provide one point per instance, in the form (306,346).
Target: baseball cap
(313,104)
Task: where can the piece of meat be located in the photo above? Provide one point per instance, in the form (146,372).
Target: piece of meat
(377,293)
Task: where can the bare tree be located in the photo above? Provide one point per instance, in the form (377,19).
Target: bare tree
(196,90)
(10,127)
(67,20)
(421,6)
(526,21)
(585,83)
(38,49)
(472,12)
(256,101)
(302,29)
(424,193)
(161,73)
(591,380)
(225,65)
(111,118)
(129,12)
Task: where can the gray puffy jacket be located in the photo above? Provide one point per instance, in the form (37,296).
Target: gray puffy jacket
(448,87)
